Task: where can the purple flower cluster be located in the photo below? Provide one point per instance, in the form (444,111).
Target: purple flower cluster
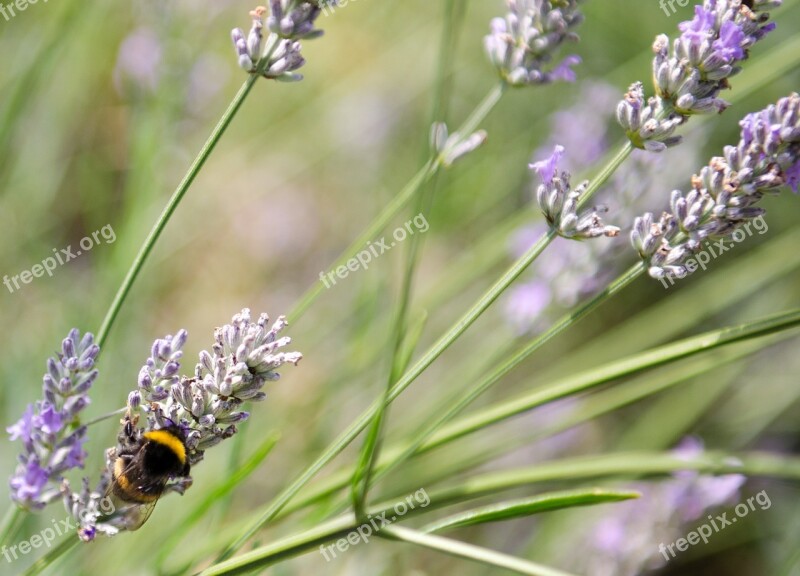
(690,80)
(625,541)
(50,430)
(522,44)
(724,195)
(559,202)
(289,21)
(245,356)
(569,271)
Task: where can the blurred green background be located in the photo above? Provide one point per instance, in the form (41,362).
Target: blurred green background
(102,108)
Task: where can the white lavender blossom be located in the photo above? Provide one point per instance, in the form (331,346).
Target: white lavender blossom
(648,125)
(453,147)
(689,80)
(289,21)
(559,202)
(51,430)
(521,45)
(204,408)
(724,195)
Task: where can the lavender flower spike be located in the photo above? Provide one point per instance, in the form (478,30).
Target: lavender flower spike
(245,356)
(205,408)
(50,430)
(559,203)
(724,195)
(689,80)
(289,21)
(522,44)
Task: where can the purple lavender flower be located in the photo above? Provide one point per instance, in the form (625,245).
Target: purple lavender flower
(245,356)
(625,541)
(526,303)
(522,44)
(792,174)
(690,80)
(724,195)
(50,430)
(559,202)
(138,62)
(289,21)
(569,271)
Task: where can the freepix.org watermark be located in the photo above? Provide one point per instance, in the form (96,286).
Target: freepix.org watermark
(11,9)
(374,250)
(61,257)
(47,536)
(668,6)
(716,249)
(374,524)
(705,531)
(329,6)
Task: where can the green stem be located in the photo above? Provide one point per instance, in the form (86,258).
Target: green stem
(366,417)
(469,552)
(611,371)
(397,204)
(455,405)
(177,196)
(12,520)
(105,416)
(67,544)
(621,464)
(398,361)
(610,167)
(370,233)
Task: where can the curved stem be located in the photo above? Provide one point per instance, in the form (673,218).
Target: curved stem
(602,177)
(169,209)
(399,202)
(398,361)
(454,406)
(430,169)
(45,561)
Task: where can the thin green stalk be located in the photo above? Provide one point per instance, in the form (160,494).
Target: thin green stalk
(456,404)
(370,449)
(398,362)
(67,544)
(469,552)
(166,214)
(363,421)
(271,44)
(346,437)
(608,170)
(625,464)
(524,507)
(12,520)
(579,382)
(397,204)
(370,233)
(603,403)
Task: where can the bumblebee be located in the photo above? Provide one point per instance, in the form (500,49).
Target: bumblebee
(143,465)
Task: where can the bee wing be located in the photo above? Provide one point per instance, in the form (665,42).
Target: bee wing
(134,496)
(137,514)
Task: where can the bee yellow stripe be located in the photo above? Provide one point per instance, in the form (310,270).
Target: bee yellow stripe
(169,440)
